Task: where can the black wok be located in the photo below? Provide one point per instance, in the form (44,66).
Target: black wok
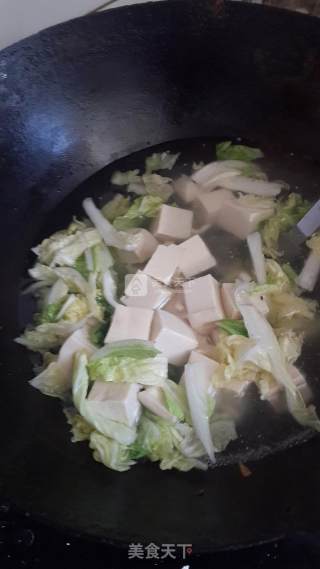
(77,97)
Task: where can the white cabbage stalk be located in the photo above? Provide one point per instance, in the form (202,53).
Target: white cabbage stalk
(56,379)
(138,189)
(49,336)
(267,353)
(79,243)
(209,176)
(259,301)
(110,288)
(89,259)
(109,234)
(102,258)
(43,273)
(66,305)
(251,186)
(57,292)
(310,272)
(153,399)
(91,296)
(73,279)
(254,242)
(197,386)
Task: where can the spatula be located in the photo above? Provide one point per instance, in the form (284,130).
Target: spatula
(291,241)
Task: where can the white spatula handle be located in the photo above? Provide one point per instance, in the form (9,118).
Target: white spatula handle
(311,221)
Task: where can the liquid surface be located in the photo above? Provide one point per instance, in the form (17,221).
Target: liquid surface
(261,430)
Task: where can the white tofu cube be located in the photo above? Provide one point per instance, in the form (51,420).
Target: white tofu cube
(144,292)
(195,257)
(207,206)
(210,365)
(130,323)
(173,337)
(228,302)
(187,189)
(117,401)
(176,304)
(203,302)
(172,224)
(145,246)
(241,220)
(202,321)
(163,264)
(205,344)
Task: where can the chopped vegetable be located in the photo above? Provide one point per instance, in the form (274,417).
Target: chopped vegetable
(161,161)
(232,327)
(125,178)
(201,404)
(255,247)
(118,206)
(80,429)
(110,452)
(55,380)
(139,214)
(134,361)
(288,212)
(118,317)
(228,151)
(311,269)
(91,411)
(109,234)
(310,272)
(49,313)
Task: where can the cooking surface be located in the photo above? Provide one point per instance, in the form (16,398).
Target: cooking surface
(70,107)
(262,431)
(25,543)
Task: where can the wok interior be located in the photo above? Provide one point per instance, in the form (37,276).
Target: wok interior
(262,430)
(110,85)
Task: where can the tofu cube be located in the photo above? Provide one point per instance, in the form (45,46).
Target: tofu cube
(228,302)
(145,246)
(130,323)
(205,344)
(117,401)
(144,292)
(172,224)
(173,337)
(203,302)
(210,365)
(195,257)
(187,189)
(176,304)
(207,206)
(240,220)
(163,264)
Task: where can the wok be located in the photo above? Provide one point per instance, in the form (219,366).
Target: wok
(74,99)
